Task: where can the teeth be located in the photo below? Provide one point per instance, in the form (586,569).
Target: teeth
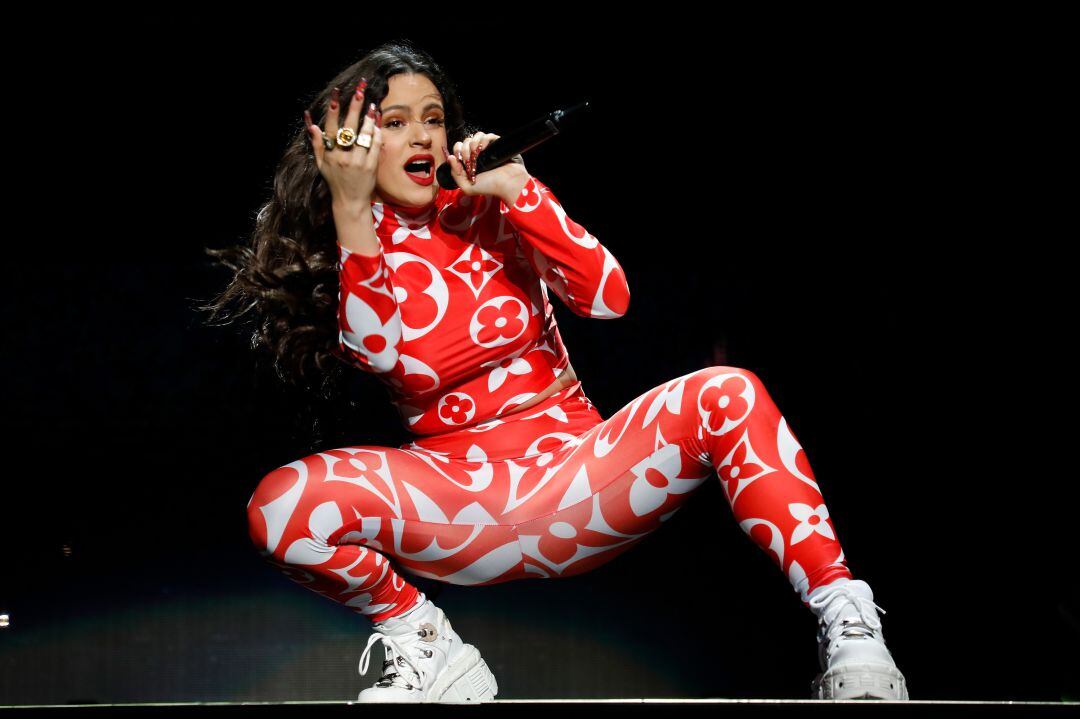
(422,168)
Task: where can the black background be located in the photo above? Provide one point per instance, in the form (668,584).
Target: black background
(857,209)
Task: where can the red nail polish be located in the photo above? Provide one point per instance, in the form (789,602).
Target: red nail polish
(335,95)
(307,119)
(371,111)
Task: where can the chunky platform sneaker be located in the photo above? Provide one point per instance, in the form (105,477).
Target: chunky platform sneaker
(855,662)
(426,661)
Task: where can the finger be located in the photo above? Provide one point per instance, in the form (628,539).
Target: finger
(466,153)
(332,113)
(485,141)
(456,168)
(376,146)
(480,139)
(367,126)
(470,164)
(352,119)
(314,136)
(477,141)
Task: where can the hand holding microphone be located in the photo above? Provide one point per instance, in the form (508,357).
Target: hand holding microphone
(508,148)
(498,181)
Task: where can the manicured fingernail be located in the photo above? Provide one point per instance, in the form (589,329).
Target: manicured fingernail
(307,119)
(371,111)
(335,95)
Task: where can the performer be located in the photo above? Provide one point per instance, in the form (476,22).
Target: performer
(511,472)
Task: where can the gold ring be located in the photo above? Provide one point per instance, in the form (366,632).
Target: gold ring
(346,137)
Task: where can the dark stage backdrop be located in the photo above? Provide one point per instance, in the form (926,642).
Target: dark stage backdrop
(847,213)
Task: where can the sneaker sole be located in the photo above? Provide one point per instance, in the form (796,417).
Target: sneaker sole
(860,681)
(466,681)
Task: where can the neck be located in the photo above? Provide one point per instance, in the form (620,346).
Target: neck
(410,210)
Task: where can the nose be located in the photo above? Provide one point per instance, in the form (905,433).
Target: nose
(420,135)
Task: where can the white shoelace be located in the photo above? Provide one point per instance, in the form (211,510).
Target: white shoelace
(394,649)
(864,606)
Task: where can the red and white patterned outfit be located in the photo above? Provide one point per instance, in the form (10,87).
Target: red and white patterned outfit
(454,316)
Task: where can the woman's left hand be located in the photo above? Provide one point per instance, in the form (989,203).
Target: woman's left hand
(503,181)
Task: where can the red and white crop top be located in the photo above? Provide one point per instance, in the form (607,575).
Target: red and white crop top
(453,315)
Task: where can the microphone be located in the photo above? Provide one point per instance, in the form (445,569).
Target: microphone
(501,151)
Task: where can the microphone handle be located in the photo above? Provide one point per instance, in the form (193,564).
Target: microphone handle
(502,150)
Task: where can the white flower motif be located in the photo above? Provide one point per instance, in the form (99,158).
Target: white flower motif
(656,477)
(810,520)
(412,227)
(504,367)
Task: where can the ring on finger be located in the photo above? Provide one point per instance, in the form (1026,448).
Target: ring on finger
(364,141)
(346,136)
(328,141)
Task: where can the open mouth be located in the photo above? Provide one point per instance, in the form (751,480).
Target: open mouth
(420,168)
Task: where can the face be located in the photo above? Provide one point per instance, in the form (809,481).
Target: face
(413,127)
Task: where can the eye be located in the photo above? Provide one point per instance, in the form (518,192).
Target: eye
(392,123)
(437,120)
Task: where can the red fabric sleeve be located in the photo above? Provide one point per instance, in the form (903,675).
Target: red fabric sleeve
(573,263)
(368,318)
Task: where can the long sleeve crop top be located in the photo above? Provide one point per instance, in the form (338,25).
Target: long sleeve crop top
(453,313)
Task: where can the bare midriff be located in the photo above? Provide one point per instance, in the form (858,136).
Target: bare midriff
(564,380)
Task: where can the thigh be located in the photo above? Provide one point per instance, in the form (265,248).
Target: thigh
(428,514)
(618,482)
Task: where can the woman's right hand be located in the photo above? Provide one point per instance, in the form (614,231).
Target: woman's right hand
(349,171)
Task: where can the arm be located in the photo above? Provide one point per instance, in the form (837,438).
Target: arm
(573,263)
(368,318)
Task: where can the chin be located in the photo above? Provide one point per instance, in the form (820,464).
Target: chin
(419,196)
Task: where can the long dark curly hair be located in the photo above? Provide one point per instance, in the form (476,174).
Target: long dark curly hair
(285,277)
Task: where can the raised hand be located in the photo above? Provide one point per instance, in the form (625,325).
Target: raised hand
(348,169)
(505,180)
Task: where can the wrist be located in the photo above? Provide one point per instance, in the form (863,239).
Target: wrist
(347,212)
(513,187)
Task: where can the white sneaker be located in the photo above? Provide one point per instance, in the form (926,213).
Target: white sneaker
(854,660)
(426,661)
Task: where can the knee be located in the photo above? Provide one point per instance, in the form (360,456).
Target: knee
(270,509)
(725,395)
(717,375)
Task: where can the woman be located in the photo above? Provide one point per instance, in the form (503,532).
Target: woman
(512,472)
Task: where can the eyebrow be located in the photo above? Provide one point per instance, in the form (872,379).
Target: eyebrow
(406,107)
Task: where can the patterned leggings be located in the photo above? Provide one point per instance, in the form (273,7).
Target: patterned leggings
(550,491)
